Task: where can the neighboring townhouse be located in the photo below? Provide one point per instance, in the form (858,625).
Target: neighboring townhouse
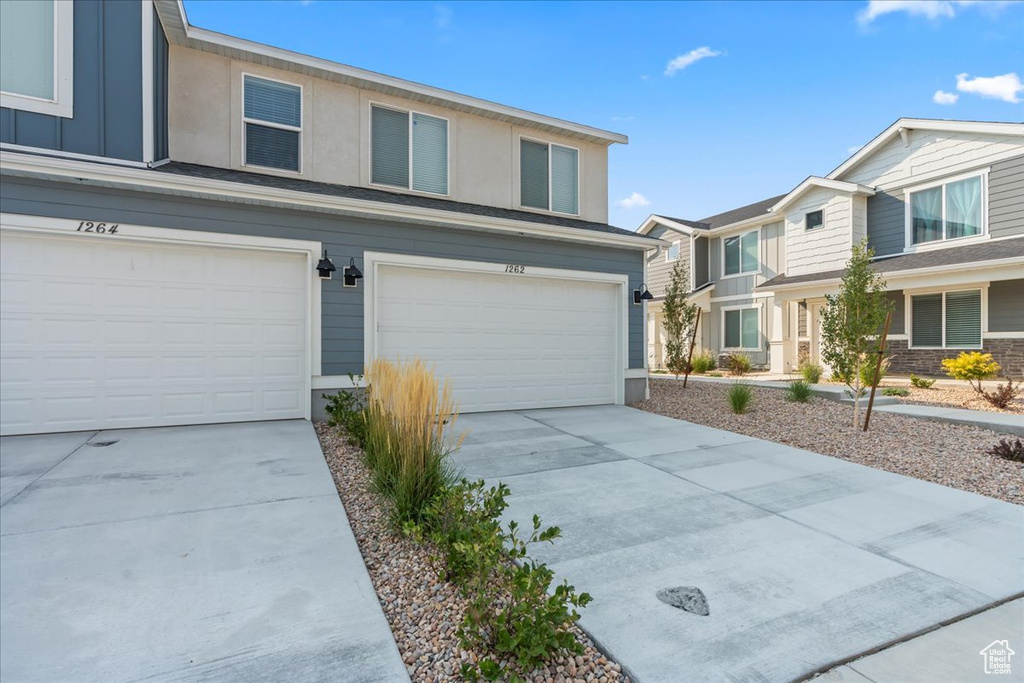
(199,228)
(942,205)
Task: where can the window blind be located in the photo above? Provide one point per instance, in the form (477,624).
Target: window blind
(429,154)
(273,102)
(533,174)
(564,180)
(271,147)
(26,48)
(926,311)
(963,319)
(390,147)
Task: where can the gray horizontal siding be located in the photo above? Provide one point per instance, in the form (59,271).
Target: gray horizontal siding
(1006,306)
(1006,198)
(659,271)
(107,89)
(898,302)
(887,223)
(701,266)
(342,312)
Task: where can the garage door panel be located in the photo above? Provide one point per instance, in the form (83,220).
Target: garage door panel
(507,342)
(143,334)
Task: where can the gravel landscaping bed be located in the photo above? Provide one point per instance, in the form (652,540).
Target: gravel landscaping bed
(959,397)
(952,455)
(423,611)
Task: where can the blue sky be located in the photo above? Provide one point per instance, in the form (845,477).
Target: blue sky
(762,94)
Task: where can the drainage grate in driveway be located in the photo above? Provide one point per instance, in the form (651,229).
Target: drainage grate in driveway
(686,598)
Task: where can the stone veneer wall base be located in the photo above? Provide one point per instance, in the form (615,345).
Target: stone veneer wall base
(1009,353)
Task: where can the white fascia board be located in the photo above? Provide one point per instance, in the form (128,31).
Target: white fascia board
(977,127)
(739,226)
(655,219)
(258,52)
(826,183)
(50,167)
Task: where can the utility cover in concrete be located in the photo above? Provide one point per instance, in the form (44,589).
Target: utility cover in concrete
(686,598)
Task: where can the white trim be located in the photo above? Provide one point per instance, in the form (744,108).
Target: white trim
(1002,335)
(740,236)
(739,297)
(61,154)
(724,309)
(678,244)
(447,151)
(908,308)
(902,125)
(337,382)
(908,234)
(820,227)
(194,37)
(147,80)
(826,183)
(141,233)
(271,124)
(63,101)
(636,373)
(372,260)
(175,183)
(655,219)
(549,145)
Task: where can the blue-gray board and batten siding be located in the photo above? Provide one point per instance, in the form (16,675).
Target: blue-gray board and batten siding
(343,237)
(887,210)
(107,104)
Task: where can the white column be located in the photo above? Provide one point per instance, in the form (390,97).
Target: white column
(777,345)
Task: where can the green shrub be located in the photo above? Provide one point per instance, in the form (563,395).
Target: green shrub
(811,372)
(345,409)
(714,374)
(895,391)
(799,391)
(703,361)
(921,382)
(867,371)
(740,395)
(739,363)
(510,612)
(409,419)
(972,367)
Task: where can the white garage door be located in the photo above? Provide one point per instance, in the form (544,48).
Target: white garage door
(507,341)
(107,332)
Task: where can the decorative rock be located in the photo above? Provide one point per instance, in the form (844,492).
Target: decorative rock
(686,598)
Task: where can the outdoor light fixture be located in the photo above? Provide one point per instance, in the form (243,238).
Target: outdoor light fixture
(325,267)
(641,294)
(352,273)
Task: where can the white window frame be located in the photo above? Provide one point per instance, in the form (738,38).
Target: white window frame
(908,231)
(62,104)
(726,309)
(808,213)
(269,124)
(678,244)
(742,273)
(908,307)
(448,150)
(550,175)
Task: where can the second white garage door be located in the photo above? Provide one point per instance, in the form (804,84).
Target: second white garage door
(507,341)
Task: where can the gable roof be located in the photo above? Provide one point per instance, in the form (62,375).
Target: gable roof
(719,220)
(180,32)
(815,182)
(905,124)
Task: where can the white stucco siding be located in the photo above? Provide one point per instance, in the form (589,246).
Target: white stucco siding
(930,153)
(826,248)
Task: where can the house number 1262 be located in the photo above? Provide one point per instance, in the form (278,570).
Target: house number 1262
(518,270)
(101,228)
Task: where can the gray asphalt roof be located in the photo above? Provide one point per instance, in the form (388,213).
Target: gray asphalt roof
(732,216)
(951,256)
(373,195)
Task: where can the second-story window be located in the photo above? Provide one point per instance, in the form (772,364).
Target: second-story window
(672,253)
(814,220)
(408,150)
(272,118)
(36,60)
(739,254)
(946,212)
(549,177)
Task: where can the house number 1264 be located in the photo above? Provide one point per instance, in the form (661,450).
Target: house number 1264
(101,228)
(518,270)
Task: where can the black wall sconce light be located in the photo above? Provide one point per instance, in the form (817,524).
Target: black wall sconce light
(641,294)
(352,273)
(325,267)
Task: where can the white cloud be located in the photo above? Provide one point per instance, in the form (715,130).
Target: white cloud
(443,16)
(683,61)
(929,9)
(1007,87)
(943,97)
(633,201)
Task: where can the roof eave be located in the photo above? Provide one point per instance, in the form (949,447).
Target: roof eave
(824,183)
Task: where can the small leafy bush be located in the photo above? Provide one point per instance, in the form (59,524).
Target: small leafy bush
(345,409)
(703,362)
(811,372)
(867,370)
(1008,450)
(740,395)
(799,391)
(921,382)
(1003,395)
(739,363)
(895,391)
(972,367)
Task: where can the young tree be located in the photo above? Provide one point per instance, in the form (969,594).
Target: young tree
(852,320)
(679,318)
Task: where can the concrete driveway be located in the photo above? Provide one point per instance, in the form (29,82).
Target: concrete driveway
(805,560)
(202,553)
